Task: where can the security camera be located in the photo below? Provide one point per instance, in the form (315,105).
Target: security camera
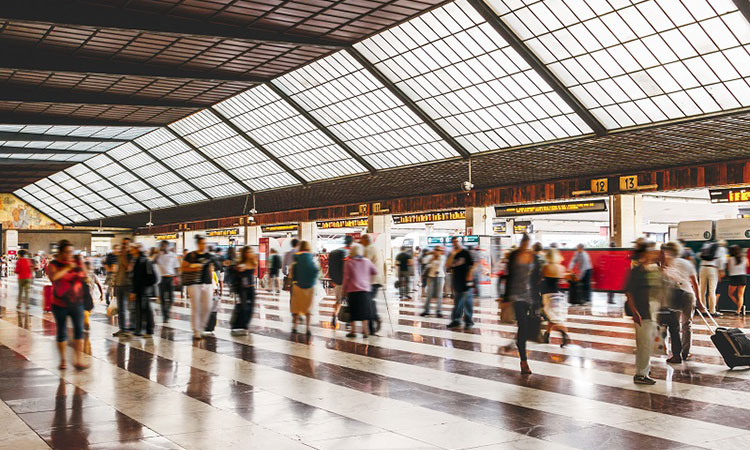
(149,224)
(467,186)
(253,212)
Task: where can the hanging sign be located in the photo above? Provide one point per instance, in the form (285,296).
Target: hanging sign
(695,230)
(165,236)
(599,186)
(551,208)
(629,183)
(733,229)
(435,216)
(224,232)
(343,223)
(500,228)
(283,227)
(730,195)
(522,226)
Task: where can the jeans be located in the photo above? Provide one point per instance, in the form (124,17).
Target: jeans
(434,290)
(122,293)
(143,311)
(522,310)
(166,293)
(24,287)
(61,314)
(709,278)
(200,305)
(671,318)
(403,283)
(463,306)
(644,338)
(686,332)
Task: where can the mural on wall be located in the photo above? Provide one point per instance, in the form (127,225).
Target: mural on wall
(18,215)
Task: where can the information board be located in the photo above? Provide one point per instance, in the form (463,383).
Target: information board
(695,230)
(343,223)
(434,216)
(730,195)
(224,232)
(551,208)
(733,229)
(282,227)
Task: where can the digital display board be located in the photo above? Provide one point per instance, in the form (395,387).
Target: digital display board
(224,232)
(435,216)
(551,208)
(283,227)
(522,226)
(343,223)
(166,236)
(730,195)
(500,228)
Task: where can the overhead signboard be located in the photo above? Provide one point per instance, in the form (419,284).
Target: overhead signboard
(277,228)
(435,216)
(733,229)
(695,230)
(629,183)
(522,226)
(551,208)
(165,236)
(599,186)
(343,223)
(500,228)
(435,240)
(730,195)
(224,232)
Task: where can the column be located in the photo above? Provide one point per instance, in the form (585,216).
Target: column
(379,227)
(308,231)
(625,218)
(479,220)
(252,235)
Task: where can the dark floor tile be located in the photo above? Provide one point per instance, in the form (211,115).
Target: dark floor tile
(29,405)
(155,443)
(600,437)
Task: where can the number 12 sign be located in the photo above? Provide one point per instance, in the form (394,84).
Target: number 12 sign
(599,186)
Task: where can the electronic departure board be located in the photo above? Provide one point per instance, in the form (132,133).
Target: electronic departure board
(730,195)
(435,216)
(551,208)
(343,223)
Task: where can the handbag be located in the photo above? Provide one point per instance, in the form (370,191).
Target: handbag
(507,314)
(88,299)
(112,309)
(345,314)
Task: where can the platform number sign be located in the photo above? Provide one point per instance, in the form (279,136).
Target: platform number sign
(599,186)
(629,183)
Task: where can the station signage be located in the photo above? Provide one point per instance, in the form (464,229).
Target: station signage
(551,208)
(500,228)
(224,232)
(522,226)
(435,240)
(695,230)
(282,227)
(730,195)
(165,236)
(343,223)
(435,216)
(733,229)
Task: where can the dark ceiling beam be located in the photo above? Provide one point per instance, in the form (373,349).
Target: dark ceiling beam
(13,118)
(62,12)
(538,66)
(44,166)
(116,187)
(47,95)
(210,161)
(419,112)
(331,135)
(27,58)
(45,151)
(744,7)
(40,137)
(258,145)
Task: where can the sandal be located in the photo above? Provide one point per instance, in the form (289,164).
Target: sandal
(62,366)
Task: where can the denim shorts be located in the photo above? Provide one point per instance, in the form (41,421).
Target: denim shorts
(61,313)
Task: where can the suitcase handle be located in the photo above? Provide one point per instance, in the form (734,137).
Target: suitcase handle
(704,320)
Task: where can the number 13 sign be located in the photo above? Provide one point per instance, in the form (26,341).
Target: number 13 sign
(629,183)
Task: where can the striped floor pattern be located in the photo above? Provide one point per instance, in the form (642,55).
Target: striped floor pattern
(416,386)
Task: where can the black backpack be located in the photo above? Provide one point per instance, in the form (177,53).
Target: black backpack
(709,253)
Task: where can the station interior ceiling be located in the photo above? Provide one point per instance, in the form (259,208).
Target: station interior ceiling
(123,113)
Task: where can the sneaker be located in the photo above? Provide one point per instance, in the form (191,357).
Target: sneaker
(453,325)
(121,333)
(239,332)
(674,360)
(468,327)
(425,314)
(640,379)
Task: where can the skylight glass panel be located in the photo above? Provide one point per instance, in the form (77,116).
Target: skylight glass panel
(231,151)
(639,62)
(78,186)
(45,209)
(52,195)
(347,99)
(178,156)
(63,190)
(459,70)
(103,175)
(157,174)
(289,136)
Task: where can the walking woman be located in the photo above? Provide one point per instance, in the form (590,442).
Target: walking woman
(736,270)
(243,278)
(553,300)
(434,271)
(197,275)
(358,272)
(304,274)
(67,277)
(518,291)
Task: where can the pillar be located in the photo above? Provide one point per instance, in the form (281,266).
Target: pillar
(252,235)
(308,231)
(379,229)
(625,218)
(479,220)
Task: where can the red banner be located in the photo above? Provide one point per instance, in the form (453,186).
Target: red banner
(610,267)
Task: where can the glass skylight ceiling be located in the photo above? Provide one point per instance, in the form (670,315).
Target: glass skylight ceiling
(70,191)
(77,146)
(26,195)
(637,62)
(46,156)
(458,69)
(178,156)
(346,98)
(206,131)
(292,138)
(80,131)
(57,199)
(115,195)
(117,175)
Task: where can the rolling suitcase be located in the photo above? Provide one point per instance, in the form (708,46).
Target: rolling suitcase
(47,298)
(211,324)
(732,343)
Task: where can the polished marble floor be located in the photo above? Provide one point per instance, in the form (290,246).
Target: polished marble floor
(416,386)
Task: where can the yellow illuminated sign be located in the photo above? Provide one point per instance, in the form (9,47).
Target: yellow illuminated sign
(225,232)
(343,223)
(164,237)
(599,186)
(436,216)
(629,183)
(285,227)
(730,195)
(551,208)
